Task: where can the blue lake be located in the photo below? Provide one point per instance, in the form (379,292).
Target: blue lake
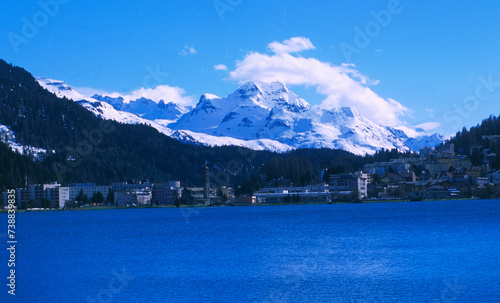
(446,251)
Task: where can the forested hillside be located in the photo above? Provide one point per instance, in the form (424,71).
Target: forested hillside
(478,138)
(14,168)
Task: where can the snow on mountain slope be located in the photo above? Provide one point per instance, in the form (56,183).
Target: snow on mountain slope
(102,109)
(142,107)
(117,102)
(417,138)
(8,137)
(209,140)
(241,114)
(146,108)
(259,110)
(258,115)
(60,89)
(105,110)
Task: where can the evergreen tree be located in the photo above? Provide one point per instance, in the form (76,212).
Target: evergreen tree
(97,198)
(85,200)
(79,198)
(111,197)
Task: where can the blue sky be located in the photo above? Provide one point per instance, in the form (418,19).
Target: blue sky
(430,63)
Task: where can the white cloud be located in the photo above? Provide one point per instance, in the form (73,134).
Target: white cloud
(410,132)
(161,92)
(342,85)
(220,67)
(187,50)
(292,45)
(428,125)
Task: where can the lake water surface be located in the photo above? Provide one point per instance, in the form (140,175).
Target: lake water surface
(446,251)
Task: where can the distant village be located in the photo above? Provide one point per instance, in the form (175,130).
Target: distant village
(429,175)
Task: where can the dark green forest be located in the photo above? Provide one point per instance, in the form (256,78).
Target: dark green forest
(482,136)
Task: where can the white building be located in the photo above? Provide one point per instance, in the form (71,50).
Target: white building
(133,198)
(63,196)
(480,182)
(312,193)
(346,184)
(88,189)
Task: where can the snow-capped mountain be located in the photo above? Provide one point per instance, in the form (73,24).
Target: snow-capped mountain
(259,110)
(60,89)
(258,115)
(418,139)
(146,108)
(105,110)
(243,113)
(142,107)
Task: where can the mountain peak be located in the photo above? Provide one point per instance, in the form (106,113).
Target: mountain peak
(205,103)
(249,89)
(206,100)
(269,95)
(349,112)
(117,103)
(276,87)
(256,87)
(60,85)
(208,97)
(60,89)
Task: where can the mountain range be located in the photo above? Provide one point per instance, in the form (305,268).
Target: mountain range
(49,131)
(45,138)
(258,115)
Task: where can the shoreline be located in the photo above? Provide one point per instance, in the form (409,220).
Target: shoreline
(230,205)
